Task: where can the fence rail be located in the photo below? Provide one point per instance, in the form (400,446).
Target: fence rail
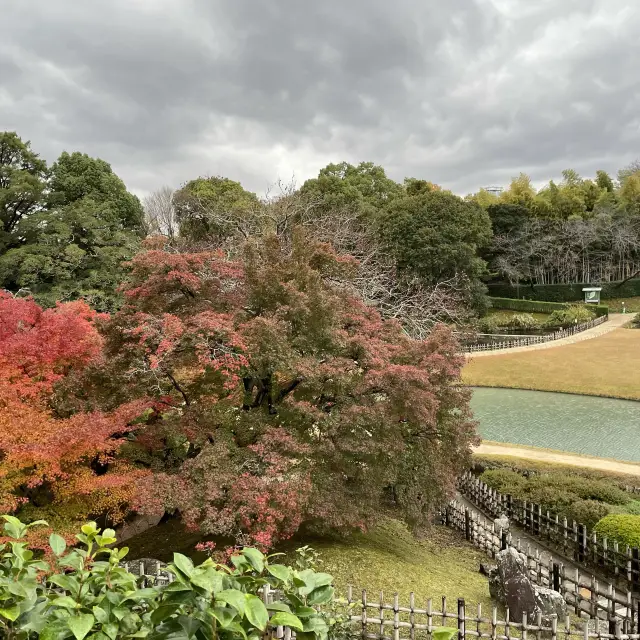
(526,341)
(571,539)
(583,592)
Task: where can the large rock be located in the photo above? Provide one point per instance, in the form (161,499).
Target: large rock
(501,523)
(511,585)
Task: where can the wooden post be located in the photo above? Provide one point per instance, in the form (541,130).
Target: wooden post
(510,506)
(504,542)
(582,543)
(467,524)
(556,578)
(635,570)
(461,619)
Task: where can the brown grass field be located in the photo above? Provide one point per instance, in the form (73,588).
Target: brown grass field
(605,366)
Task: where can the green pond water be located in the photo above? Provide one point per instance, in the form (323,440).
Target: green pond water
(601,427)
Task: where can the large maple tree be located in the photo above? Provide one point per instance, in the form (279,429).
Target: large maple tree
(280,398)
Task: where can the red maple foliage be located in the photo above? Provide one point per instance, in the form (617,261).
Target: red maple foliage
(285,400)
(65,469)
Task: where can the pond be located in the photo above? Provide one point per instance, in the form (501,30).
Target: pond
(601,427)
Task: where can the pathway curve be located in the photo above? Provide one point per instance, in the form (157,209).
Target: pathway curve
(558,457)
(615,321)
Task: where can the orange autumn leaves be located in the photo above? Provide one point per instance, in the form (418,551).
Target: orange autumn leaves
(65,463)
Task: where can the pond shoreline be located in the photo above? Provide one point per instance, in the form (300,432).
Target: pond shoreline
(540,454)
(478,385)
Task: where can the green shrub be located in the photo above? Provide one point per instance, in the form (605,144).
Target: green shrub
(624,528)
(583,488)
(550,499)
(505,481)
(568,317)
(488,324)
(632,507)
(86,594)
(523,321)
(587,512)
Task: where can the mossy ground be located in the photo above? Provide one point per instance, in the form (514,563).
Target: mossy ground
(390,559)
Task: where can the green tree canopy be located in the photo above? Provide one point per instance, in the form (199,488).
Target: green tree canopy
(22,183)
(81,225)
(364,188)
(213,207)
(436,235)
(77,176)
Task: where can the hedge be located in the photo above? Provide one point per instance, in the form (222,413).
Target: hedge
(564,292)
(621,527)
(539,306)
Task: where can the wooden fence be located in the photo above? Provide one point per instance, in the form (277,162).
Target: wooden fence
(376,619)
(525,341)
(381,620)
(584,593)
(571,539)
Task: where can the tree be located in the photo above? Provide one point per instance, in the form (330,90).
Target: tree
(287,400)
(63,469)
(364,189)
(74,245)
(214,209)
(436,235)
(160,214)
(77,176)
(22,183)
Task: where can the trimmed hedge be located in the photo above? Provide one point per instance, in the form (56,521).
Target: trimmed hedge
(539,306)
(621,527)
(581,499)
(564,292)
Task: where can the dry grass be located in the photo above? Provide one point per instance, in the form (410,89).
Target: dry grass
(605,366)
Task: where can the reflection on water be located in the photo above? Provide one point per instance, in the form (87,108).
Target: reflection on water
(582,424)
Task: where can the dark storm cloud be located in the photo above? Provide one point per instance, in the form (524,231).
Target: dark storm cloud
(463,92)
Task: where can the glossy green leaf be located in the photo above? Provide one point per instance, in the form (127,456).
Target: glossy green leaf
(80,625)
(224,615)
(444,633)
(256,612)
(234,598)
(183,563)
(278,606)
(284,619)
(279,571)
(321,595)
(255,558)
(57,544)
(10,613)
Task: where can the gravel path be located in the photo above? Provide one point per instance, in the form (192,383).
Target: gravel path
(602,464)
(616,320)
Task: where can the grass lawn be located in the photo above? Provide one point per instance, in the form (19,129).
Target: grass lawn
(603,366)
(390,559)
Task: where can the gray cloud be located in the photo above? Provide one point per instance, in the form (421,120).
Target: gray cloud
(464,93)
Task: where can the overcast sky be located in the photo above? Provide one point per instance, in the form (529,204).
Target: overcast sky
(465,93)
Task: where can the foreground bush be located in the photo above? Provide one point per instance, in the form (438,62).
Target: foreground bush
(84,593)
(624,528)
